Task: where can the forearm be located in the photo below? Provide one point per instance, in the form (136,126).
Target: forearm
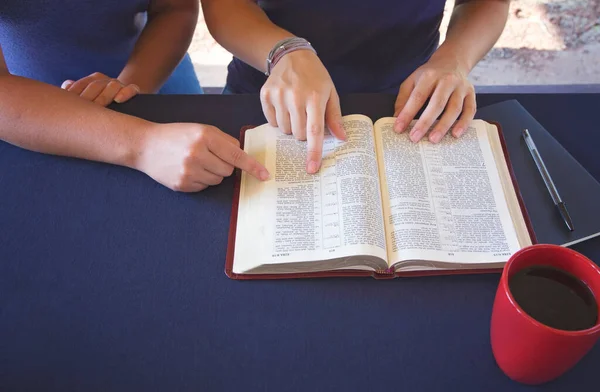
(241,27)
(474,28)
(42,118)
(161,45)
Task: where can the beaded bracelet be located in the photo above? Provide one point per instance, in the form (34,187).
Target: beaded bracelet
(284,47)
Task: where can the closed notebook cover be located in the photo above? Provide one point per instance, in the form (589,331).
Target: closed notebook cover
(578,188)
(354,273)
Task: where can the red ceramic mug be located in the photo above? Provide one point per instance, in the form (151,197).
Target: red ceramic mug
(526,350)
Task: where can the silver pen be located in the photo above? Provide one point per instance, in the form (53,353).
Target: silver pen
(537,158)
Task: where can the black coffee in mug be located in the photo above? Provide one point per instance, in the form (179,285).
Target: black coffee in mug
(554,297)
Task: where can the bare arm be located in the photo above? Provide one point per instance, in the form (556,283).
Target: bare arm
(43,118)
(162,44)
(474,28)
(241,27)
(157,52)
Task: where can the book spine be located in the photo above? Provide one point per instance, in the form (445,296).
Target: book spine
(385,274)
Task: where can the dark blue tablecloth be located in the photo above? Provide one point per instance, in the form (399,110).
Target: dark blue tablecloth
(109,281)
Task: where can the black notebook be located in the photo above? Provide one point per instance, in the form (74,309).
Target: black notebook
(578,189)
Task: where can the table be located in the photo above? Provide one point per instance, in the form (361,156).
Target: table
(109,281)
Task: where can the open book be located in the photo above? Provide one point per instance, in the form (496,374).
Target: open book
(380,205)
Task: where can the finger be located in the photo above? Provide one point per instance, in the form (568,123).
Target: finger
(434,108)
(450,115)
(468,113)
(283,120)
(109,93)
(315,124)
(282,114)
(94,89)
(207,178)
(127,93)
(216,165)
(236,157)
(298,121)
(190,187)
(268,108)
(333,116)
(82,83)
(403,94)
(227,137)
(66,84)
(231,139)
(416,100)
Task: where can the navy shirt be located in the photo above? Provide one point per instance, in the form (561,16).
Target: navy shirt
(366,45)
(55,40)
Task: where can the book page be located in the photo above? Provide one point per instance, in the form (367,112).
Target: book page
(296,217)
(444,202)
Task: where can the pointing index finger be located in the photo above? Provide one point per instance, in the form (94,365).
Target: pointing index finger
(237,157)
(315,124)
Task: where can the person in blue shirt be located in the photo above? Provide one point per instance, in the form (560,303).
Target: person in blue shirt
(102,50)
(318,49)
(61,62)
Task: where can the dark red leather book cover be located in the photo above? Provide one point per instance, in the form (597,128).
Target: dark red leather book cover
(354,273)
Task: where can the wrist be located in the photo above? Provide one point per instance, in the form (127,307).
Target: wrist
(448,54)
(298,57)
(284,48)
(139,139)
(127,77)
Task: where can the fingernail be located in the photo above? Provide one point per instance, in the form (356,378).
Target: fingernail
(399,127)
(118,98)
(341,127)
(264,175)
(341,131)
(312,167)
(415,135)
(458,132)
(435,137)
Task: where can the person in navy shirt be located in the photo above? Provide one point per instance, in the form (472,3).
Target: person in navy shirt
(355,46)
(61,62)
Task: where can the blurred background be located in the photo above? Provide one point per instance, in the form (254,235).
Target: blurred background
(545,42)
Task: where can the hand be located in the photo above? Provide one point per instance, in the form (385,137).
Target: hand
(445,81)
(300,98)
(101,89)
(191,157)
